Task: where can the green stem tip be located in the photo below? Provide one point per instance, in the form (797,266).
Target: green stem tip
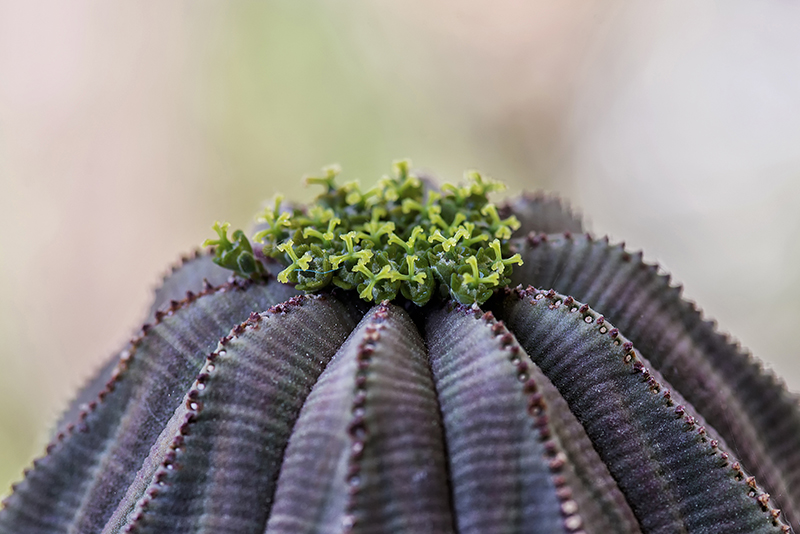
(396,238)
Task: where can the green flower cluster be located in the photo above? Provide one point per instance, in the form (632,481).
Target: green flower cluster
(393,238)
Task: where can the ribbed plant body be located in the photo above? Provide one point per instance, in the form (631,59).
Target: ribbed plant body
(586,397)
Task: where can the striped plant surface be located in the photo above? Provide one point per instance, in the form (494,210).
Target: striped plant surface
(412,360)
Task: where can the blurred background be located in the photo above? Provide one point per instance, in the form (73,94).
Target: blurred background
(128,128)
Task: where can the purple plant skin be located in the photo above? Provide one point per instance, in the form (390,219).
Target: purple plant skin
(601,402)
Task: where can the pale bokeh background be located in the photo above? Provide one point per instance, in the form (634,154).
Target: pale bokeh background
(126,129)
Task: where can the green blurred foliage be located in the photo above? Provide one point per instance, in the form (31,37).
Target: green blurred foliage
(291,92)
(18,440)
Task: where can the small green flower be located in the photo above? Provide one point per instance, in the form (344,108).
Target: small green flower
(394,238)
(236,255)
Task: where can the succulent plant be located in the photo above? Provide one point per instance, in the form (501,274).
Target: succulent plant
(383,362)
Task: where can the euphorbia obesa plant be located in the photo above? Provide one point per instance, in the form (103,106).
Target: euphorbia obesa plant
(407,359)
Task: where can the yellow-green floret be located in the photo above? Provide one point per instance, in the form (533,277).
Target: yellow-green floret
(395,238)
